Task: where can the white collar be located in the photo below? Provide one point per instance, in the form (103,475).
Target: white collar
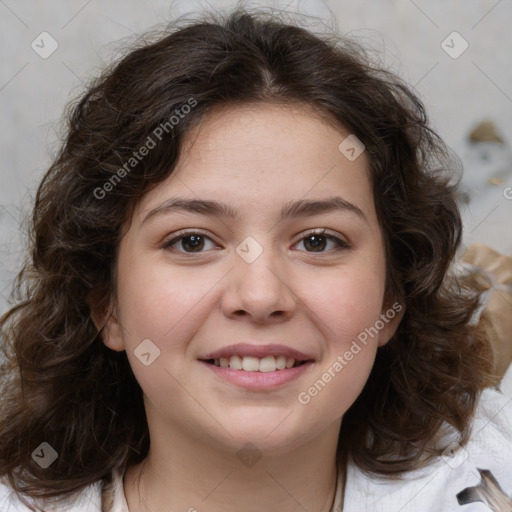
(120,505)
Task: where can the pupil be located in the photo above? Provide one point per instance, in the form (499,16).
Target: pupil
(318,241)
(197,242)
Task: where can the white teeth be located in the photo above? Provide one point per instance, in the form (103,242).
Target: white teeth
(281,363)
(255,364)
(268,364)
(250,364)
(235,363)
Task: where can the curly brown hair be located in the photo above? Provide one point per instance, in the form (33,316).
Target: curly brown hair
(61,385)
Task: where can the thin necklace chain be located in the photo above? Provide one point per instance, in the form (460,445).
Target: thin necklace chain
(107,490)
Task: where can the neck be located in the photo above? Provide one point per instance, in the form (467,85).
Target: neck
(185,475)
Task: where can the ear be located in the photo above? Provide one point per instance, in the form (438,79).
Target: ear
(391,317)
(104,317)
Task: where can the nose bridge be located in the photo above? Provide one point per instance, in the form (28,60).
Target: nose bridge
(258,284)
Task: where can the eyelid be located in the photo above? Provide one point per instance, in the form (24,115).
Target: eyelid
(342,242)
(184,233)
(340,239)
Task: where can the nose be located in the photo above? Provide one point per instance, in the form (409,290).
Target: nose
(259,291)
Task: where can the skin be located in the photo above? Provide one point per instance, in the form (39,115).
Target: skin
(255,159)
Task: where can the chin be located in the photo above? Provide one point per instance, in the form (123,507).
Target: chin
(270,436)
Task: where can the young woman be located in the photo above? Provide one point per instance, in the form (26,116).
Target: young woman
(238,294)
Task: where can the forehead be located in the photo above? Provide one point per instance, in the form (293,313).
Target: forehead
(292,132)
(262,155)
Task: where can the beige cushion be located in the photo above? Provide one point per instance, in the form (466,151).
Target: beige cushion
(491,272)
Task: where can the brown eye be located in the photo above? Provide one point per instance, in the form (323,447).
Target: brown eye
(194,242)
(188,243)
(317,242)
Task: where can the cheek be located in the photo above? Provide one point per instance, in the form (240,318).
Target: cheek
(347,384)
(157,301)
(346,320)
(337,384)
(347,301)
(348,305)
(166,306)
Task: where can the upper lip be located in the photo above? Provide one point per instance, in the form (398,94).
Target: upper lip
(260,351)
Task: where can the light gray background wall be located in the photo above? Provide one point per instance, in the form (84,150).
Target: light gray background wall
(458,92)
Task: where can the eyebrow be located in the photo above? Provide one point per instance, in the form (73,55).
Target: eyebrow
(299,208)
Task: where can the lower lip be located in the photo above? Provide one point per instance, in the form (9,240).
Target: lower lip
(258,380)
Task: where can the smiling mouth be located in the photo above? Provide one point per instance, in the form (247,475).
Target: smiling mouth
(256,364)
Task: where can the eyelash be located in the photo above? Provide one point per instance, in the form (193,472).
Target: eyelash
(342,244)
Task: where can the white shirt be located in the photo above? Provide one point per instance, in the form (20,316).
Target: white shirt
(432,489)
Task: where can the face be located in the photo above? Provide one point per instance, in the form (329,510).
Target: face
(261,250)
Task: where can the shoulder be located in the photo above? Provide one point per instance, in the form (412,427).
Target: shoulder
(87,500)
(476,477)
